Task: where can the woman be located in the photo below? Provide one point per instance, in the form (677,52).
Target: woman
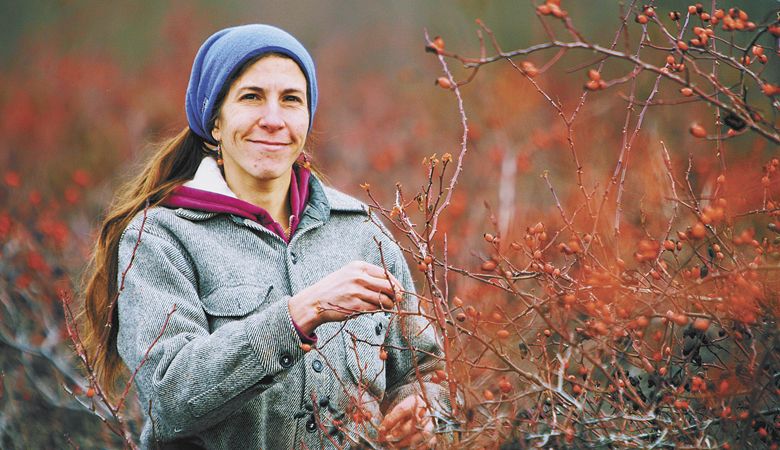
(259,307)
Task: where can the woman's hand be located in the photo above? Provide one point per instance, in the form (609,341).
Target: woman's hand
(355,288)
(408,425)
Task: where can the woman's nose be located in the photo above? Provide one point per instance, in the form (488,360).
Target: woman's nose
(271,119)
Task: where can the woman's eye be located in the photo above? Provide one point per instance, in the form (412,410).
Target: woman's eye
(249,97)
(293,98)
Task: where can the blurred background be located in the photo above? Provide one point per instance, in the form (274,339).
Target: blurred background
(86,87)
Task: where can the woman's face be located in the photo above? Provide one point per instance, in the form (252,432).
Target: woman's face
(263,122)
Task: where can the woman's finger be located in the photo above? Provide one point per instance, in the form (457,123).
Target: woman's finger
(402,433)
(375,300)
(384,287)
(414,433)
(414,440)
(402,412)
(379,272)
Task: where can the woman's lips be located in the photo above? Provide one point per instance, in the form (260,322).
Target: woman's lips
(269,143)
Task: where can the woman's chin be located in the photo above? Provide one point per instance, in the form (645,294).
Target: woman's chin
(264,174)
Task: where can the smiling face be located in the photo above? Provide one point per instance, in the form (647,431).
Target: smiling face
(262,125)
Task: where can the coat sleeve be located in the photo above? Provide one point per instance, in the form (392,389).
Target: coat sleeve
(189,378)
(414,353)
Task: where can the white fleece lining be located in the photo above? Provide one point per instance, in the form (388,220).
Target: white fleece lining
(209,178)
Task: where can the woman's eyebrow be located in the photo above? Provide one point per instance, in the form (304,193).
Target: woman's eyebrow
(260,89)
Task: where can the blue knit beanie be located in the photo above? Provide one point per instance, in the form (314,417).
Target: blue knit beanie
(223,53)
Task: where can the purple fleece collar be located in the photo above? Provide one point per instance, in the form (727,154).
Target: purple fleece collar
(202,200)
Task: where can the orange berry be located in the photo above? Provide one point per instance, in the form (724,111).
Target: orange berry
(669,245)
(594,75)
(686,91)
(444,82)
(770,89)
(758,50)
(529,69)
(502,334)
(488,265)
(569,435)
(488,394)
(460,317)
(90,392)
(641,19)
(457,302)
(12,179)
(438,42)
(488,237)
(544,9)
(691,9)
(306,348)
(383,355)
(698,231)
(557,11)
(698,131)
(576,389)
(682,46)
(701,324)
(593,85)
(649,11)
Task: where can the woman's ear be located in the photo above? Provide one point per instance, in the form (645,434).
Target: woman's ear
(216,133)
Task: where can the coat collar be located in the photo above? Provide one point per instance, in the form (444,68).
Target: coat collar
(322,199)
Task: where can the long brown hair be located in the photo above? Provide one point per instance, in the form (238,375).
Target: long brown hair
(174,163)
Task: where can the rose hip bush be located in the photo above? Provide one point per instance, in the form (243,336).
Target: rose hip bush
(593,225)
(643,310)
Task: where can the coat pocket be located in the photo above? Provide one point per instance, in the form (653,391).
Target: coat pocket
(228,303)
(363,338)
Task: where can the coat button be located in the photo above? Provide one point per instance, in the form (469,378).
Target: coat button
(378,329)
(286,360)
(317,365)
(311,425)
(293,258)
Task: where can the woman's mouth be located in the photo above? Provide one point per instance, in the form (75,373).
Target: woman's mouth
(273,144)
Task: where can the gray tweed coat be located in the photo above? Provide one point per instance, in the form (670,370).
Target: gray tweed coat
(228,371)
